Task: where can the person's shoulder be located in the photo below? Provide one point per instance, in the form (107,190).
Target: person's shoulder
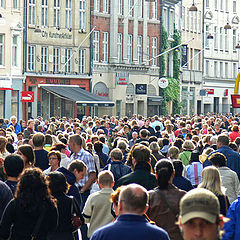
(156,231)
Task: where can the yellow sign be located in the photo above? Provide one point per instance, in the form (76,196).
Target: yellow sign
(237,85)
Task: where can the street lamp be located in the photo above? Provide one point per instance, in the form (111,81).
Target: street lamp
(193,8)
(227,26)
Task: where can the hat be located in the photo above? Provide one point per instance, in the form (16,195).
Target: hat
(199,203)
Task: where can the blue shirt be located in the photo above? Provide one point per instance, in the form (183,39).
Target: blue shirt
(194,171)
(130,227)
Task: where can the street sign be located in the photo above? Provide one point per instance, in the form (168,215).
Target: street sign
(163,82)
(209,91)
(27,96)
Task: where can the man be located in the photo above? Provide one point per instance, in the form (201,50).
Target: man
(148,127)
(144,135)
(134,139)
(41,155)
(5,196)
(233,158)
(15,124)
(30,129)
(200,215)
(156,122)
(132,205)
(75,145)
(142,169)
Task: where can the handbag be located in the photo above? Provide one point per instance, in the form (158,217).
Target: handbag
(77,222)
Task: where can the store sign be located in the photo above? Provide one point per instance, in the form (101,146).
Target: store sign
(27,96)
(101,90)
(141,88)
(163,82)
(122,78)
(64,81)
(56,35)
(209,91)
(235,101)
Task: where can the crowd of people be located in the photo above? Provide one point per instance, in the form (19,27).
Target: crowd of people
(145,178)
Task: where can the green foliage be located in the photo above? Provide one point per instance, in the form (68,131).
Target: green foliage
(164,47)
(176,60)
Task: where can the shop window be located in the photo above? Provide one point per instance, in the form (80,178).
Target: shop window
(14,103)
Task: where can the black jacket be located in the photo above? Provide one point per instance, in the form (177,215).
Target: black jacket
(142,175)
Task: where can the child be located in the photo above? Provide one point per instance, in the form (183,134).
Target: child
(97,210)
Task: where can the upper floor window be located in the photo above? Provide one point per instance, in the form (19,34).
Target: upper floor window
(2,3)
(56,59)
(119,47)
(105,6)
(154,9)
(82,25)
(154,51)
(97,5)
(68,13)
(44,57)
(120,7)
(96,46)
(130,41)
(31,14)
(139,49)
(1,49)
(44,13)
(68,53)
(105,47)
(130,8)
(234,6)
(15,4)
(56,13)
(15,51)
(31,58)
(82,61)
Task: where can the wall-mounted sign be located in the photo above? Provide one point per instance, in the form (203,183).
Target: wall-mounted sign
(100,89)
(163,82)
(141,88)
(122,78)
(210,91)
(27,96)
(56,35)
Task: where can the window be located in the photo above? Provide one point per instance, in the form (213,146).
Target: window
(130,8)
(139,49)
(82,61)
(82,10)
(120,7)
(234,39)
(199,22)
(56,13)
(221,5)
(31,58)
(68,13)
(96,46)
(105,47)
(154,51)
(97,5)
(44,57)
(191,21)
(207,68)
(206,36)
(14,102)
(215,68)
(154,9)
(221,38)
(207,3)
(140,12)
(2,103)
(68,53)
(165,18)
(187,27)
(130,41)
(56,59)
(183,17)
(195,21)
(226,4)
(234,70)
(31,14)
(215,38)
(2,3)
(15,51)
(148,49)
(15,4)
(1,49)
(226,40)
(216,4)
(119,47)
(197,59)
(105,6)
(221,69)
(226,70)
(235,6)
(44,13)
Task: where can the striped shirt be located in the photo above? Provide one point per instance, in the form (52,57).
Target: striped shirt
(87,158)
(194,171)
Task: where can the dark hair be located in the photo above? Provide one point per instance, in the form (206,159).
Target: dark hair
(57,153)
(178,166)
(157,128)
(152,139)
(218,159)
(78,165)
(141,154)
(57,183)
(165,142)
(164,170)
(98,146)
(144,133)
(223,139)
(194,156)
(63,140)
(32,190)
(233,146)
(178,143)
(58,147)
(38,140)
(48,139)
(27,151)
(13,165)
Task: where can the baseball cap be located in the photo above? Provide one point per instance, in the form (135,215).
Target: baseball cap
(199,203)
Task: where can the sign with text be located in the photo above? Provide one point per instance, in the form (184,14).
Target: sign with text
(27,96)
(209,91)
(122,78)
(141,88)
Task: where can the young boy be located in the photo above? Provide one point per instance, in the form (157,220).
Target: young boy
(97,210)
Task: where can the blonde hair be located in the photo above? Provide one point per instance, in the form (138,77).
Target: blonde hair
(211,180)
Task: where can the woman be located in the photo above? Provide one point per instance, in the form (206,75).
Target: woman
(61,147)
(235,133)
(27,154)
(32,203)
(164,200)
(211,180)
(48,142)
(3,154)
(188,147)
(54,161)
(58,187)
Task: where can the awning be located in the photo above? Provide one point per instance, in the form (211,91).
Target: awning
(154,100)
(78,95)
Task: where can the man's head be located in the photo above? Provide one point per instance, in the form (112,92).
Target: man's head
(141,153)
(13,165)
(134,135)
(13,120)
(38,140)
(218,160)
(116,154)
(30,123)
(222,140)
(75,143)
(144,133)
(200,215)
(133,199)
(78,168)
(105,179)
